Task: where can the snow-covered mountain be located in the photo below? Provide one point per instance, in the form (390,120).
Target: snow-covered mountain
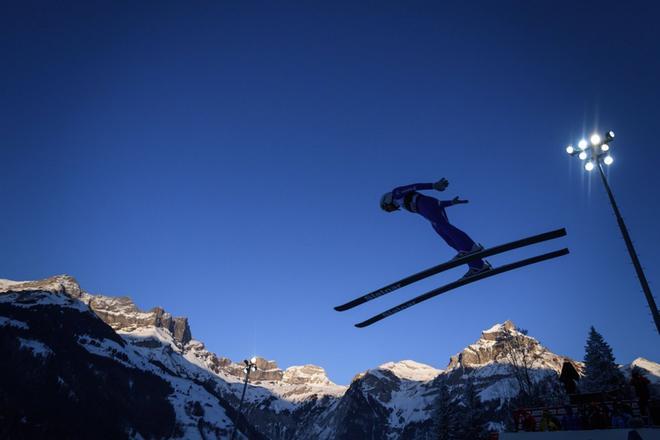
(115,371)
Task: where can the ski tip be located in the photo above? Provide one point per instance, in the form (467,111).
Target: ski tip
(556,233)
(348,305)
(369,321)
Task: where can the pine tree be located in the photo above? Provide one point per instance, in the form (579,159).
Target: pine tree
(446,414)
(472,421)
(601,372)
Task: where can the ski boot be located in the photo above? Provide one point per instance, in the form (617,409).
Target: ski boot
(475,248)
(477,270)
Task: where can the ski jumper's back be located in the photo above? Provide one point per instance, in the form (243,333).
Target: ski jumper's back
(430,208)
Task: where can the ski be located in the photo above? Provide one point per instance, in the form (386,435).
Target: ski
(462,282)
(451,264)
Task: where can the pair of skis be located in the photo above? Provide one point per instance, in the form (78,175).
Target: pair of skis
(460,282)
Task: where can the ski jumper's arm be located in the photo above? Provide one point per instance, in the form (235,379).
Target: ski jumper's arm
(401,191)
(455,201)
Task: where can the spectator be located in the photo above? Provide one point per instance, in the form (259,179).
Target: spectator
(569,376)
(621,415)
(627,411)
(584,417)
(529,423)
(600,417)
(606,415)
(654,411)
(518,418)
(618,421)
(594,416)
(569,421)
(641,386)
(548,422)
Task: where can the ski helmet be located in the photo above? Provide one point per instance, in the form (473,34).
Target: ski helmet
(387,203)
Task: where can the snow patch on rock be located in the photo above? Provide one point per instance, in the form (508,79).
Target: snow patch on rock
(411,370)
(6,322)
(38,349)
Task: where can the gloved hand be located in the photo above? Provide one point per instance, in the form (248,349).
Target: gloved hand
(456,201)
(441,184)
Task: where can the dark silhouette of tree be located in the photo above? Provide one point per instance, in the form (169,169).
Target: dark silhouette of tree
(522,352)
(601,373)
(446,414)
(471,417)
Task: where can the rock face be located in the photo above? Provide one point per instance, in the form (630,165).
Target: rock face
(120,313)
(489,350)
(106,350)
(57,284)
(304,375)
(54,383)
(266,370)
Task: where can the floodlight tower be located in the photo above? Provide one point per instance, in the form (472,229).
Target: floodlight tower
(594,154)
(250,365)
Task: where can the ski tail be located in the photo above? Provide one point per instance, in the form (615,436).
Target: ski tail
(462,282)
(450,265)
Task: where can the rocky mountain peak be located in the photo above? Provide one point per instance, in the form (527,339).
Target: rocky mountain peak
(266,370)
(489,349)
(394,400)
(497,330)
(57,284)
(306,374)
(411,370)
(120,313)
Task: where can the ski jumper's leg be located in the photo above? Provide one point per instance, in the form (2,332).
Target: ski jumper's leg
(446,236)
(433,210)
(456,238)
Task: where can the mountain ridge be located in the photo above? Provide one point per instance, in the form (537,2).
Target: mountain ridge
(393,400)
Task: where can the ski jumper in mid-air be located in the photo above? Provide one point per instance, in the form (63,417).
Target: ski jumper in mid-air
(433,210)
(409,198)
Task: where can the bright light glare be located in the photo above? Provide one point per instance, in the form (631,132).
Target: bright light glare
(589,166)
(604,147)
(582,144)
(595,139)
(570,149)
(583,156)
(608,160)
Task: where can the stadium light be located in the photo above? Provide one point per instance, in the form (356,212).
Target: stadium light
(250,366)
(597,153)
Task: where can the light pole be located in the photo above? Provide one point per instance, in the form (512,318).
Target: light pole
(594,154)
(249,366)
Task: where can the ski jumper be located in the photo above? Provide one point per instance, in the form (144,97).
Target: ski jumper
(433,210)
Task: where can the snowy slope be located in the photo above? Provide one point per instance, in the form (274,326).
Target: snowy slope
(395,400)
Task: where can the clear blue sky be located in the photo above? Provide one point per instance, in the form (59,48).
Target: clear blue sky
(224,160)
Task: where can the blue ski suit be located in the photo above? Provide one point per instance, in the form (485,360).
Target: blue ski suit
(433,210)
